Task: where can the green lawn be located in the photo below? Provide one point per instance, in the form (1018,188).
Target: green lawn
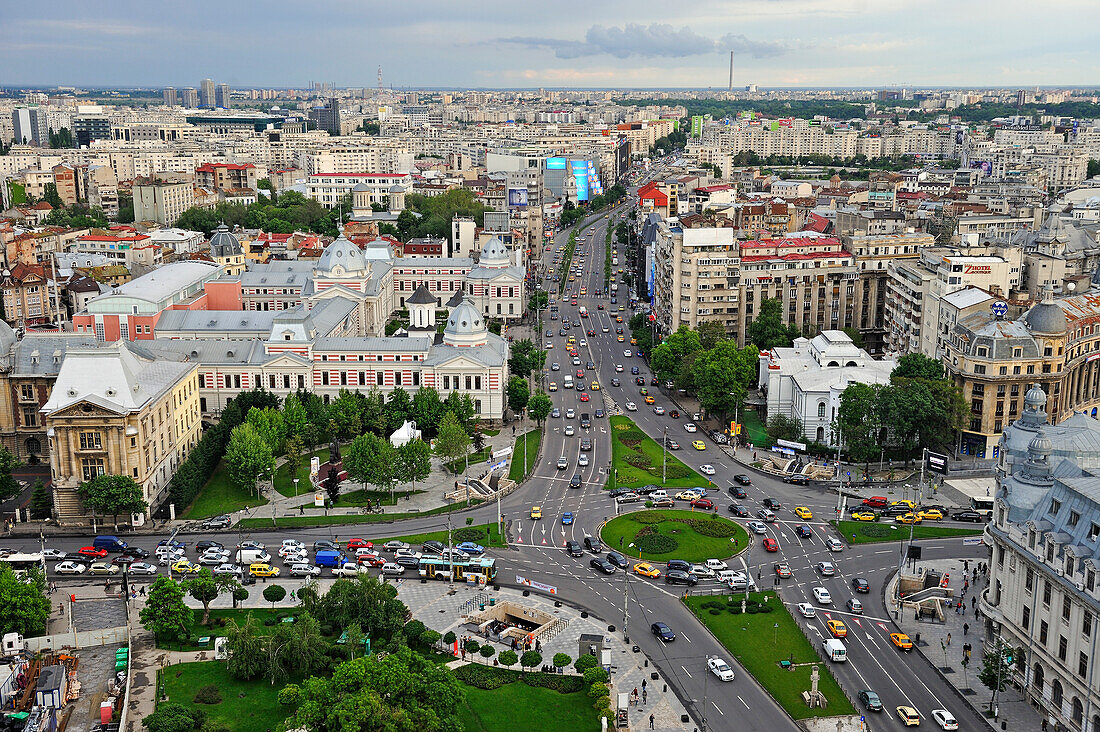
(459,466)
(219,496)
(488,530)
(355,518)
(690,545)
(213,628)
(871,532)
(515,471)
(521,707)
(746,638)
(754,428)
(284,481)
(361,496)
(646,456)
(246,706)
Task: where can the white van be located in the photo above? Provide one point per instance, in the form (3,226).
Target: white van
(252,556)
(834,650)
(568,382)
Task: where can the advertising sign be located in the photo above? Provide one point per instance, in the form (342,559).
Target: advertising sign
(793,445)
(517,198)
(536,585)
(999,309)
(697,125)
(580,175)
(555,163)
(938,462)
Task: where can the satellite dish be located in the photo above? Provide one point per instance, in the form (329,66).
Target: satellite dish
(1071,286)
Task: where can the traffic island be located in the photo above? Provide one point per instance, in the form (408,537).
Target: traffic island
(660,535)
(870,532)
(638,460)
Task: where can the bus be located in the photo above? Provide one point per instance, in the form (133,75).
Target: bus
(984,506)
(474,569)
(20,563)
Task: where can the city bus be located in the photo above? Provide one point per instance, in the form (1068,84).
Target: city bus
(984,506)
(20,562)
(474,569)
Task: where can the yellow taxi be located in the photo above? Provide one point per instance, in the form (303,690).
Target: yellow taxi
(699,445)
(908,518)
(837,628)
(553,386)
(650,400)
(620,270)
(908,716)
(622,338)
(908,504)
(931,514)
(572,278)
(686,496)
(584,291)
(633,341)
(645,569)
(803,513)
(864,516)
(185,567)
(595,386)
(618,318)
(572,341)
(901,641)
(260,569)
(536,512)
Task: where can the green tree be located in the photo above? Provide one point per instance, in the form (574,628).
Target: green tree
(270,425)
(530,659)
(371,460)
(295,416)
(174,717)
(487,652)
(667,357)
(917,366)
(426,410)
(462,407)
(782,427)
(857,421)
(414,462)
(397,409)
(997,666)
(452,441)
(9,486)
(722,376)
(293,451)
(540,300)
(26,606)
(767,330)
(711,333)
(51,196)
(248,456)
(525,357)
(331,484)
(519,392)
(539,406)
(207,587)
(165,614)
(274,594)
(41,501)
(265,184)
(508,658)
(245,644)
(112,495)
(1093,168)
(561,660)
(346,410)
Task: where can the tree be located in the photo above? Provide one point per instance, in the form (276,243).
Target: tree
(667,357)
(206,587)
(857,421)
(471,646)
(782,427)
(274,594)
(240,594)
(26,606)
(452,441)
(41,501)
(462,407)
(767,330)
(371,460)
(113,494)
(561,660)
(165,614)
(331,484)
(397,409)
(51,196)
(270,425)
(539,406)
(248,456)
(585,662)
(519,392)
(174,717)
(540,300)
(125,209)
(9,486)
(487,652)
(722,376)
(293,451)
(295,416)
(711,332)
(508,658)
(530,659)
(525,357)
(346,411)
(997,666)
(414,462)
(245,645)
(917,366)
(426,409)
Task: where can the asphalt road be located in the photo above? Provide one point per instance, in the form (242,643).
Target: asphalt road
(537,552)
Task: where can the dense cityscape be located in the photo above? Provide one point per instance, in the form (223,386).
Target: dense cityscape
(546,399)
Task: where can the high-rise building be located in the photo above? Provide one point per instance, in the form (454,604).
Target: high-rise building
(206,93)
(221,96)
(170,97)
(189,97)
(91,127)
(30,126)
(327,117)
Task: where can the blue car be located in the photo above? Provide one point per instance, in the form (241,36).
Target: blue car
(804,531)
(471,548)
(567,518)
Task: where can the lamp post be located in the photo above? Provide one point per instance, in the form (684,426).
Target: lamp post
(664,458)
(626,594)
(296,487)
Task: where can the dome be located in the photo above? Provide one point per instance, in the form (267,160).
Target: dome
(1040,446)
(465,326)
(1035,397)
(361,188)
(1046,317)
(494,254)
(223,244)
(342,257)
(397,188)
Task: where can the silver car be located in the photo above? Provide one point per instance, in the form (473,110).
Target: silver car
(391,568)
(304,570)
(227,568)
(142,568)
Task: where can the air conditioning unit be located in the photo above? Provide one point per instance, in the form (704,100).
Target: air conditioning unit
(1080,586)
(1061,572)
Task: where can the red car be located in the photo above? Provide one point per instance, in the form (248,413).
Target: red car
(580,373)
(704,503)
(357,543)
(91,551)
(771,545)
(584,396)
(372,559)
(572,302)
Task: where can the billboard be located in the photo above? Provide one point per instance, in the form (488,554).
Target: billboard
(517,198)
(983,165)
(580,175)
(697,125)
(555,163)
(938,462)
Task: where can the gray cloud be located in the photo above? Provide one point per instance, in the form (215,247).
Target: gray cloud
(656,40)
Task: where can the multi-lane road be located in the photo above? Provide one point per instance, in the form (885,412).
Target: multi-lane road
(536,546)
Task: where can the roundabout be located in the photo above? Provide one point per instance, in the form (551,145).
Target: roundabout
(660,535)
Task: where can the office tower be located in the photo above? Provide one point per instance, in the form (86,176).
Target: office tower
(189,97)
(221,96)
(87,128)
(327,117)
(171,99)
(206,93)
(30,126)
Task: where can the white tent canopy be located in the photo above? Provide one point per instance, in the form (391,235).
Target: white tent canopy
(404,434)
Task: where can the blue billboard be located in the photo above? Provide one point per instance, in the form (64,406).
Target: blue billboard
(580,175)
(555,163)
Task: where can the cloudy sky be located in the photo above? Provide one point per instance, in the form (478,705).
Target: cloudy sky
(565,43)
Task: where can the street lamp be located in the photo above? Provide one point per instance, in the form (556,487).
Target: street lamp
(296,487)
(664,458)
(626,594)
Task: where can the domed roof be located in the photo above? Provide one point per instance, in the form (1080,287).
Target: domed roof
(397,188)
(1046,317)
(360,187)
(465,326)
(223,244)
(1035,397)
(342,257)
(494,254)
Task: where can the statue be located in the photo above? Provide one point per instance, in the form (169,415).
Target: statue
(333,445)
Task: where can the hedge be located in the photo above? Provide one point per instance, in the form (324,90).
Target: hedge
(494,677)
(468,534)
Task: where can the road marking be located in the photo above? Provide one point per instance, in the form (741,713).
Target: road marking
(684,636)
(741,700)
(687,672)
(718,708)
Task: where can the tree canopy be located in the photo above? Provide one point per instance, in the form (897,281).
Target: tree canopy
(767,330)
(112,495)
(26,606)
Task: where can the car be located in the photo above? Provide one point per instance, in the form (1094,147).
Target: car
(772,504)
(536,512)
(470,547)
(584,396)
(304,570)
(945,719)
(757,527)
(586,444)
(806,610)
(833,544)
(602,565)
(645,569)
(770,544)
(909,505)
(672,444)
(663,632)
(291,546)
(901,641)
(227,568)
(720,668)
(826,569)
(595,386)
(797,480)
(217,522)
(707,469)
(822,596)
(908,716)
(738,510)
(783,570)
(628,497)
(860,585)
(930,514)
(70,567)
(738,492)
(803,513)
(183,566)
(394,545)
(631,407)
(869,700)
(392,568)
(627,353)
(680,577)
(639,381)
(704,504)
(894,511)
(621,338)
(854,606)
(214,557)
(555,366)
(570,413)
(967,515)
(616,382)
(720,438)
(142,569)
(702,571)
(742,479)
(643,391)
(690,427)
(576,481)
(865,516)
(51,555)
(104,568)
(675,414)
(634,371)
(123,559)
(699,445)
(618,560)
(92,552)
(356,543)
(803,531)
(766,515)
(686,495)
(567,518)
(618,368)
(837,628)
(659,411)
(600,414)
(569,431)
(563,462)
(663,502)
(206,545)
(555,413)
(908,518)
(431,547)
(372,560)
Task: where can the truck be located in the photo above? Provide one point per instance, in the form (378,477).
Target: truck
(329,559)
(834,650)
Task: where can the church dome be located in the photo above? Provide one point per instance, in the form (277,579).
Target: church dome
(494,254)
(465,326)
(1046,317)
(223,244)
(1035,397)
(397,188)
(361,188)
(342,257)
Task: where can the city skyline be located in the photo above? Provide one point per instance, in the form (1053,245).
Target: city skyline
(780,43)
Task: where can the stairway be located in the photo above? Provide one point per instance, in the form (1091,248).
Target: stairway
(67,505)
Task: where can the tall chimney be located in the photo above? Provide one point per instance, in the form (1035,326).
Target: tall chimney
(731,71)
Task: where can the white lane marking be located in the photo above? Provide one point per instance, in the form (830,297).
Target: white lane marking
(687,672)
(718,708)
(741,700)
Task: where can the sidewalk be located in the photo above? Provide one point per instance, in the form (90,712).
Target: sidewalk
(934,642)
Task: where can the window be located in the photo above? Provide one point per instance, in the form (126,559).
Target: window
(1090,580)
(1082,664)
(91,441)
(1047,591)
(1055,506)
(1067,607)
(1029,580)
(324,378)
(26,392)
(1094,531)
(1074,517)
(821,409)
(1043,630)
(1025,620)
(1063,646)
(1086,624)
(1069,566)
(91,468)
(30,417)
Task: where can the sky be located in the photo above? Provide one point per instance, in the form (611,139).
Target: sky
(565,43)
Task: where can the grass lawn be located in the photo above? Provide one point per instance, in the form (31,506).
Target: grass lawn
(354,518)
(360,497)
(746,638)
(871,532)
(689,544)
(522,707)
(219,496)
(246,705)
(755,429)
(515,470)
(487,530)
(459,466)
(213,629)
(284,481)
(646,455)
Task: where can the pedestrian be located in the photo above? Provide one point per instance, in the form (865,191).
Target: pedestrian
(966,628)
(973,601)
(143,590)
(651,723)
(643,685)
(966,565)
(948,639)
(644,694)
